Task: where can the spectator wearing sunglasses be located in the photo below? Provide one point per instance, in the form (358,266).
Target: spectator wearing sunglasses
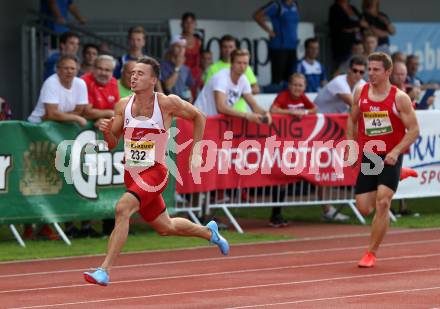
(337,96)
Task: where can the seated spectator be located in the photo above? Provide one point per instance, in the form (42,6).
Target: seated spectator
(357,49)
(63,96)
(412,65)
(292,101)
(58,11)
(124,83)
(337,96)
(136,44)
(205,63)
(176,76)
(227,45)
(225,88)
(311,68)
(398,79)
(192,50)
(370,43)
(69,45)
(378,23)
(398,56)
(102,89)
(89,54)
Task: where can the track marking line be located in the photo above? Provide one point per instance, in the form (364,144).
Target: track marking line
(232,288)
(305,239)
(262,255)
(338,297)
(234,272)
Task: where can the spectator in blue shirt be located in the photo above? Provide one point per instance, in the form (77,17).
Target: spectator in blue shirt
(59,10)
(284,18)
(176,76)
(69,45)
(311,68)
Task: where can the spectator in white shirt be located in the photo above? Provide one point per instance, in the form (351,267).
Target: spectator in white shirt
(337,96)
(226,87)
(63,96)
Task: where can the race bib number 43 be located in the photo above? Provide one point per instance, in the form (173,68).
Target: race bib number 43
(377,123)
(139,153)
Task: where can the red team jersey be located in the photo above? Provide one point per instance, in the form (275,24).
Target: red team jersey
(285,100)
(101,97)
(379,121)
(145,142)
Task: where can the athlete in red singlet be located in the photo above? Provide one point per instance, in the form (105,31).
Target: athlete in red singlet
(143,120)
(381,114)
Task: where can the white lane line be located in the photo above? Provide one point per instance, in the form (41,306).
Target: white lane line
(364,276)
(339,297)
(304,239)
(261,255)
(232,272)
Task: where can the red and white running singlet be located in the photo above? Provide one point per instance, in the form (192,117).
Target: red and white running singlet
(145,139)
(379,121)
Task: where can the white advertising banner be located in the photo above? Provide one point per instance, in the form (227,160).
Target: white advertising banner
(424,157)
(250,36)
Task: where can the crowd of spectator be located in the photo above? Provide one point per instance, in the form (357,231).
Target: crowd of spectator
(78,92)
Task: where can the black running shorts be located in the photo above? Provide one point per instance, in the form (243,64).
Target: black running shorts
(389,176)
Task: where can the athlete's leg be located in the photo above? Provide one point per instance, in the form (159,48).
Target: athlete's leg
(166,226)
(381,218)
(366,202)
(126,207)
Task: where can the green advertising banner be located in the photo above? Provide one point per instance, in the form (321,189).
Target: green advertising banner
(83,182)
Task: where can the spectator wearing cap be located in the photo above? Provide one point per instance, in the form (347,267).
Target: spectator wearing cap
(176,76)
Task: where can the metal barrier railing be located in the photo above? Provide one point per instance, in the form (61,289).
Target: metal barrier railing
(296,194)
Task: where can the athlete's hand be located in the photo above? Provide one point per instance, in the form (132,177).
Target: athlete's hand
(106,125)
(391,158)
(196,160)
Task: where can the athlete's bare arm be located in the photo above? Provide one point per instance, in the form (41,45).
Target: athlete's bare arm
(112,128)
(352,126)
(353,116)
(409,119)
(173,106)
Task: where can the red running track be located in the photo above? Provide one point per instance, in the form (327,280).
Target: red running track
(312,273)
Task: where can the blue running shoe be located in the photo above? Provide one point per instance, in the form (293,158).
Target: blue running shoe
(217,239)
(99,276)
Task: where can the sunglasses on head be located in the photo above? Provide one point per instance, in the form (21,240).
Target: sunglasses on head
(358,71)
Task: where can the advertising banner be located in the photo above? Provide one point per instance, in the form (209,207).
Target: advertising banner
(238,153)
(32,188)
